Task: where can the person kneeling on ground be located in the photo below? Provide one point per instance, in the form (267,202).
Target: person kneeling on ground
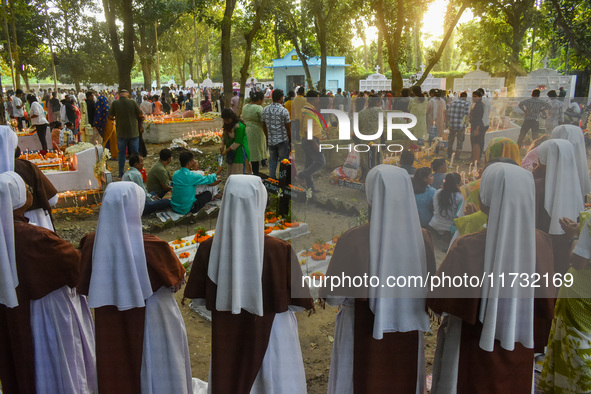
(158,177)
(153,203)
(185,182)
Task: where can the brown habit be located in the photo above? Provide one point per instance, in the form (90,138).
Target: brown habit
(120,334)
(388,365)
(48,265)
(499,371)
(43,189)
(239,342)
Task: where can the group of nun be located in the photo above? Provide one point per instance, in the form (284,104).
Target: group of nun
(137,342)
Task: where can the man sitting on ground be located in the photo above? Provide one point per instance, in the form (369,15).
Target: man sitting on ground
(185,182)
(153,203)
(158,182)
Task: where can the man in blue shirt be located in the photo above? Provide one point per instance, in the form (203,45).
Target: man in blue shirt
(184,182)
(153,204)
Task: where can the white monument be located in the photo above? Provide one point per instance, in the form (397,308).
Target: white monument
(377,82)
(545,79)
(478,79)
(429,83)
(171,82)
(189,83)
(207,83)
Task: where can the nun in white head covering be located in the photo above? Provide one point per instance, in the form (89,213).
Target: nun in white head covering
(497,328)
(58,321)
(575,136)
(8,144)
(245,279)
(134,303)
(391,246)
(507,316)
(13,195)
(562,190)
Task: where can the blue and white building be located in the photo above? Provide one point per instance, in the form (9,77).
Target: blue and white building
(288,72)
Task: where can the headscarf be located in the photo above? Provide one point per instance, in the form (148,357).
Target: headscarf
(562,194)
(396,248)
(236,259)
(502,147)
(498,147)
(575,135)
(101,114)
(119,271)
(13,195)
(8,143)
(507,314)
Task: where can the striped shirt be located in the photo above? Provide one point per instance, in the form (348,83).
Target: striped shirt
(275,117)
(533,108)
(456,112)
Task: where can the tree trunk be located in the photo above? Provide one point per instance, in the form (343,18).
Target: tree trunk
(249,38)
(320,24)
(226,28)
(392,42)
(276,34)
(418,55)
(380,48)
(15,55)
(76,84)
(26,79)
(207,56)
(294,40)
(147,73)
(446,38)
(365,58)
(124,58)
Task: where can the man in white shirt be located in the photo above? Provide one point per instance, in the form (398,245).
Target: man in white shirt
(18,110)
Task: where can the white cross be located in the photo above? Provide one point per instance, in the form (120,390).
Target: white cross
(423,68)
(207,75)
(377,69)
(478,64)
(546,62)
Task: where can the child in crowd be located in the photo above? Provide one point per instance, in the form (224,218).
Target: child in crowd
(407,159)
(439,167)
(447,201)
(424,192)
(174,106)
(69,134)
(57,135)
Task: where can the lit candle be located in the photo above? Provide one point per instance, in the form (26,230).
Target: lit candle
(470,169)
(89,184)
(451,163)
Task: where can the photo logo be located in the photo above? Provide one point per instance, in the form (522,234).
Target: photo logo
(344,125)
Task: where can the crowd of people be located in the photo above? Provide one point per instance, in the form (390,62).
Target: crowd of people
(515,218)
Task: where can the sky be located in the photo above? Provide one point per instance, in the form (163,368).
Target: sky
(431,29)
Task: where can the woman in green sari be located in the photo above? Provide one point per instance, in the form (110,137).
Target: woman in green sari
(252,114)
(235,144)
(567,365)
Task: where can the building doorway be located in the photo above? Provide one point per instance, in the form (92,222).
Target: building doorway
(293,81)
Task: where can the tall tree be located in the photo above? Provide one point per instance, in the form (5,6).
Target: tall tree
(226,49)
(259,7)
(452,18)
(123,56)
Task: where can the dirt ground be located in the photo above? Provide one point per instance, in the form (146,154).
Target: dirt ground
(315,330)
